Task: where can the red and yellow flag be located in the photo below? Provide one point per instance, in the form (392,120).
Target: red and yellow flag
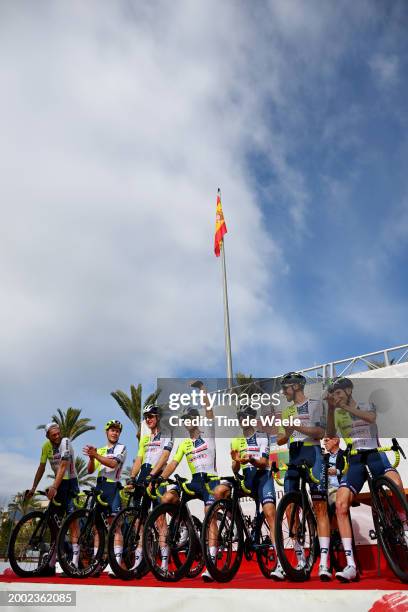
(220,226)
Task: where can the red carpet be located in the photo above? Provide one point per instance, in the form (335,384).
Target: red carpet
(248,577)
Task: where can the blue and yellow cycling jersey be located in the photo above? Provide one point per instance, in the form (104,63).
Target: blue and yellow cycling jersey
(310,414)
(200,452)
(152,446)
(116,451)
(256,446)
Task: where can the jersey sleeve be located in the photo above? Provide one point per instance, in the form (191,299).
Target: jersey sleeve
(234,444)
(44,453)
(179,453)
(120,454)
(66,450)
(316,413)
(168,444)
(142,448)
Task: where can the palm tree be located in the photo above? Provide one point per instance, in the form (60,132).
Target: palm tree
(70,424)
(20,504)
(132,406)
(247,384)
(81,467)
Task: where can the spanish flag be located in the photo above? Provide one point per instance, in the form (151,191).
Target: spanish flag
(220,226)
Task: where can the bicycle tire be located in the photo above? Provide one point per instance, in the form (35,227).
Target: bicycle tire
(152,538)
(12,553)
(198,561)
(389,526)
(294,499)
(128,516)
(218,511)
(266,557)
(89,563)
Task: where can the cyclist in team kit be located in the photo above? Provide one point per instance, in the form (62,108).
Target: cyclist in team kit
(59,453)
(153,454)
(304,446)
(250,453)
(200,453)
(356,423)
(108,461)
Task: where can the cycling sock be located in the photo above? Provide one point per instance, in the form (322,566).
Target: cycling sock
(138,557)
(53,559)
(299,552)
(324,542)
(75,554)
(95,551)
(213,552)
(118,553)
(348,551)
(164,551)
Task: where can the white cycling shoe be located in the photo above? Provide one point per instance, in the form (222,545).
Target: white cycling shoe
(349,574)
(324,573)
(206,576)
(278,574)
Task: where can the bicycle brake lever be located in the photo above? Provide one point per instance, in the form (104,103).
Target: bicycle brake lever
(396,447)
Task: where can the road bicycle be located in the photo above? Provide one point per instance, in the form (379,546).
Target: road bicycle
(33,540)
(228,535)
(88,526)
(390,511)
(171,537)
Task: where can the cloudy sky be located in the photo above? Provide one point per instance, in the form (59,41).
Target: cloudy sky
(118,122)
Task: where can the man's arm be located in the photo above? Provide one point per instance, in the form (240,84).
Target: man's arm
(169,469)
(137,464)
(312,432)
(38,475)
(52,491)
(367,415)
(110,462)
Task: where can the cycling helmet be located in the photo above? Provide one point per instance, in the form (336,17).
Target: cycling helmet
(340,383)
(244,411)
(190,413)
(293,378)
(113,423)
(151,409)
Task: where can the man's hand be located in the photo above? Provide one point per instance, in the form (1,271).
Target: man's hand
(331,404)
(289,431)
(332,471)
(245,459)
(235,455)
(90,451)
(29,493)
(51,493)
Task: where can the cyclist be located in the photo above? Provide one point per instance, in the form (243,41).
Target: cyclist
(199,450)
(356,422)
(154,452)
(304,447)
(109,461)
(60,454)
(251,454)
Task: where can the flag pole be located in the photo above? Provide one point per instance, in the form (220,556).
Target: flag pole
(226,313)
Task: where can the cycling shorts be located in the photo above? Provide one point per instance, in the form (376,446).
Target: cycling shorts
(110,492)
(197,486)
(312,456)
(66,492)
(261,485)
(356,475)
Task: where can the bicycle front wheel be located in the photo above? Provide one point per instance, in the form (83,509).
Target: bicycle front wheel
(169,542)
(222,541)
(295,537)
(83,529)
(390,515)
(30,545)
(125,534)
(265,550)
